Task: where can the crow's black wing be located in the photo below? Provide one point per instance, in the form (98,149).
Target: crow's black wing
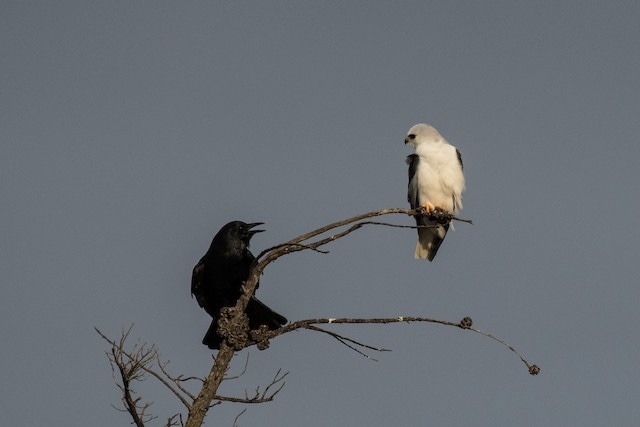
(197,283)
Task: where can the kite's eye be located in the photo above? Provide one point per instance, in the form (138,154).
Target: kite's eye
(412,136)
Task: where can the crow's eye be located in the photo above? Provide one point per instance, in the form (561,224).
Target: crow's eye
(412,136)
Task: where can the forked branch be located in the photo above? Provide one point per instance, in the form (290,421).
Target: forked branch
(143,360)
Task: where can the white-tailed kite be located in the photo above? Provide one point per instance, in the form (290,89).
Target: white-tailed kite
(436,182)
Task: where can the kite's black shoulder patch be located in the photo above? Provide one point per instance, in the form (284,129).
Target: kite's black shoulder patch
(412,161)
(412,190)
(460,159)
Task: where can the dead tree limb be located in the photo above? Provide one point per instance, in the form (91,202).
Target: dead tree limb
(465,324)
(203,401)
(130,369)
(143,360)
(198,405)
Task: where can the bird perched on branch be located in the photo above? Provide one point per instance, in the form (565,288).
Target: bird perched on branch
(219,275)
(436,183)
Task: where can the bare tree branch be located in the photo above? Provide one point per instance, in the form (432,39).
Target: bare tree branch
(277,378)
(207,397)
(211,384)
(174,420)
(259,397)
(533,369)
(465,323)
(136,364)
(440,217)
(295,245)
(202,402)
(130,370)
(176,380)
(141,359)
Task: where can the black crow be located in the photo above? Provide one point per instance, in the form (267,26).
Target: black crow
(218,277)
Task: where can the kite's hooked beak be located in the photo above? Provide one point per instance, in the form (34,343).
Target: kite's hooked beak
(409,138)
(406,141)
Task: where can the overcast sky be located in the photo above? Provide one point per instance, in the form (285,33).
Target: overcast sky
(132,131)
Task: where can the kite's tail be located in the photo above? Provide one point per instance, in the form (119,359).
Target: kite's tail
(429,240)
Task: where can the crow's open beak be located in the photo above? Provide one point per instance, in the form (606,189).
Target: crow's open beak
(255,224)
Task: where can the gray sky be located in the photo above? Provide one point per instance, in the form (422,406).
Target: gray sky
(132,131)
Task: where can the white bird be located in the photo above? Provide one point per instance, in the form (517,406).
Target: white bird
(436,183)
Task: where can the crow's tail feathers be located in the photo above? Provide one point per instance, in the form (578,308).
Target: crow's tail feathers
(211,338)
(260,314)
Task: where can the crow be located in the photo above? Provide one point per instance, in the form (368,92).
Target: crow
(219,275)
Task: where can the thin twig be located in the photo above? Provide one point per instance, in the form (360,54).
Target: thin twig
(176,380)
(533,368)
(235,420)
(183,379)
(346,340)
(244,370)
(299,246)
(277,378)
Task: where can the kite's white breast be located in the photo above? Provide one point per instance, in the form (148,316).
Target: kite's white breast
(440,178)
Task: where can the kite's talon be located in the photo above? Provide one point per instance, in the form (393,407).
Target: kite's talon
(440,215)
(428,208)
